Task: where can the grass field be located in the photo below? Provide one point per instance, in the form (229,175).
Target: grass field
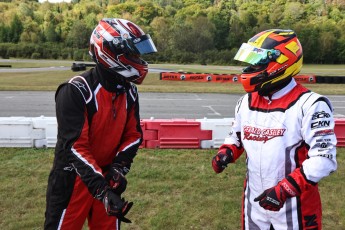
(171,189)
(49,80)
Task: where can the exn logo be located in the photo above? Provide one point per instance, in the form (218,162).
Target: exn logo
(319,124)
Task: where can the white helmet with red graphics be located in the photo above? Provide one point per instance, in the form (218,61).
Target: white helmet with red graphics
(117,45)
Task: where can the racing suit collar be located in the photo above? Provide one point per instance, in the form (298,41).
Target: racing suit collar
(280,93)
(109,80)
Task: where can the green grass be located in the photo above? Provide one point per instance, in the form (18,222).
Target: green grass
(49,80)
(171,189)
(32,63)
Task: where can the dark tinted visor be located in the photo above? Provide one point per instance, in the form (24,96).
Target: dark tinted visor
(143,44)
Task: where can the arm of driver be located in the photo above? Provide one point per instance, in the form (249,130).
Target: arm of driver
(233,139)
(73,132)
(318,133)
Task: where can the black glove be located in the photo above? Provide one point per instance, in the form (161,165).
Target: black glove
(221,160)
(273,199)
(125,166)
(116,179)
(115,206)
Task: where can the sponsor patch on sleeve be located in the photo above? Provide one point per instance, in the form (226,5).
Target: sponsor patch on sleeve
(324,132)
(83,87)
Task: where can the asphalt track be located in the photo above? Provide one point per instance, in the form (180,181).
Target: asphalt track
(156,105)
(152,105)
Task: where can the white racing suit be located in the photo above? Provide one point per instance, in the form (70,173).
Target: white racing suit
(290,133)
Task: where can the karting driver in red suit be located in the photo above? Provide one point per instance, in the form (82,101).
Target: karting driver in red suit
(99,131)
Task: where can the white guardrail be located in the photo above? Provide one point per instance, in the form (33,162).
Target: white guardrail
(38,132)
(41,132)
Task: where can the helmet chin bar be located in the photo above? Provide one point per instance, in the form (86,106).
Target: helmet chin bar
(122,72)
(270,89)
(129,73)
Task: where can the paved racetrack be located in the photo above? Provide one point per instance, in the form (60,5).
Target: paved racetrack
(157,105)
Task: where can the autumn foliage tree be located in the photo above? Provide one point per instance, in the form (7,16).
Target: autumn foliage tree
(185,31)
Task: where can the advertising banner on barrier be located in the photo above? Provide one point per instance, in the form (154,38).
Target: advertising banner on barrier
(199,77)
(305,79)
(235,78)
(226,78)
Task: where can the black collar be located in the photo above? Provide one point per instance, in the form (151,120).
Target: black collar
(112,82)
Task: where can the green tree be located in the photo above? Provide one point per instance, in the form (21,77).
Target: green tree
(25,10)
(237,32)
(119,10)
(31,33)
(340,51)
(146,12)
(16,28)
(162,33)
(220,18)
(191,11)
(195,35)
(276,14)
(183,30)
(91,20)
(4,33)
(293,13)
(79,35)
(50,34)
(308,37)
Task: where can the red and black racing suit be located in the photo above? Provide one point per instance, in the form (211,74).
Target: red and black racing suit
(98,124)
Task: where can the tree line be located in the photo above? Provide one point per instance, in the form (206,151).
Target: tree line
(184,31)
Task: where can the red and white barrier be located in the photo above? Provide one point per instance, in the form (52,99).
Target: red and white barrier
(158,133)
(173,133)
(49,125)
(220,129)
(339,130)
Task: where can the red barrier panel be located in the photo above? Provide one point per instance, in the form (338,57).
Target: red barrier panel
(225,78)
(199,77)
(181,76)
(220,78)
(148,135)
(173,134)
(339,131)
(305,79)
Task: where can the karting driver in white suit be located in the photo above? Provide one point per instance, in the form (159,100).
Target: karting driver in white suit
(287,132)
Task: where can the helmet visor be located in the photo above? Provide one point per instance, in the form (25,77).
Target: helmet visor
(253,55)
(144,44)
(141,45)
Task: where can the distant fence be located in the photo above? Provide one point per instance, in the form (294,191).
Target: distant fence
(235,78)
